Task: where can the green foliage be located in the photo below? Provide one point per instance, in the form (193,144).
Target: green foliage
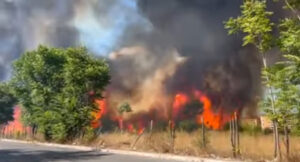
(286,94)
(193,107)
(251,129)
(255,23)
(199,140)
(7,101)
(292,4)
(53,86)
(89,134)
(281,103)
(289,39)
(288,76)
(188,125)
(124,107)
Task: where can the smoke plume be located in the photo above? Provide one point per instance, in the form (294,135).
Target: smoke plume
(155,48)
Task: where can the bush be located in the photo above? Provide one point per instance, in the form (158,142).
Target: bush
(160,126)
(59,132)
(188,125)
(251,129)
(199,140)
(89,134)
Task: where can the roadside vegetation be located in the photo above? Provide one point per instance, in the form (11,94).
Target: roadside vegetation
(281,80)
(56,89)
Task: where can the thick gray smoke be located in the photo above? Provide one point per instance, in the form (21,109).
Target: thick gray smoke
(26,24)
(156,47)
(96,24)
(215,62)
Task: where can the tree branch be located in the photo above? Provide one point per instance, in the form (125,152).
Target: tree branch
(292,9)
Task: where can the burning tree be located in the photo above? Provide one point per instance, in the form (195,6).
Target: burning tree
(53,86)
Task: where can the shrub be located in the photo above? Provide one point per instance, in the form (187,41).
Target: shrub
(188,125)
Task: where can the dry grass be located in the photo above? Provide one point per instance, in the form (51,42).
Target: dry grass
(258,147)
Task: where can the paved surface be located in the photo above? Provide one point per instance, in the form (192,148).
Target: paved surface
(21,152)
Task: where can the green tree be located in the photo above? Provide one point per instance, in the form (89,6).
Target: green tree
(123,108)
(54,86)
(289,76)
(286,99)
(282,80)
(255,23)
(7,101)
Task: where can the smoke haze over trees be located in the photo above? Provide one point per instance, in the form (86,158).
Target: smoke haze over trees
(176,45)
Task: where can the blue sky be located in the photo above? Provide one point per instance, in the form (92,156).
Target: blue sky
(101,33)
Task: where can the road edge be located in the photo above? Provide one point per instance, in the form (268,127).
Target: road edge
(125,152)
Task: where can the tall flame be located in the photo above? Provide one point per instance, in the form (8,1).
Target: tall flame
(16,125)
(214,118)
(180,100)
(98,114)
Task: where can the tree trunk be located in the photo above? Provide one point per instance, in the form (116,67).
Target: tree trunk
(277,152)
(287,140)
(292,9)
(172,135)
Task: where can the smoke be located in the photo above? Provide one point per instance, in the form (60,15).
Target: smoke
(96,24)
(215,63)
(155,48)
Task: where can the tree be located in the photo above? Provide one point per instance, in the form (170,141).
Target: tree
(7,101)
(54,86)
(123,108)
(289,76)
(286,99)
(255,23)
(282,80)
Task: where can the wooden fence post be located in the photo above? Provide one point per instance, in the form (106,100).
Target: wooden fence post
(232,137)
(237,134)
(203,133)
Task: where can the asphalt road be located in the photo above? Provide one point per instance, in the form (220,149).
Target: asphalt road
(21,152)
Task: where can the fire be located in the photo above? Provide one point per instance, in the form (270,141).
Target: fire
(136,128)
(16,125)
(130,128)
(214,118)
(195,105)
(97,115)
(180,100)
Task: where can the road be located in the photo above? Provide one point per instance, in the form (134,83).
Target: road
(22,152)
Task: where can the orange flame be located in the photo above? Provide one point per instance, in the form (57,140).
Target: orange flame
(16,125)
(140,131)
(180,100)
(97,115)
(130,128)
(212,118)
